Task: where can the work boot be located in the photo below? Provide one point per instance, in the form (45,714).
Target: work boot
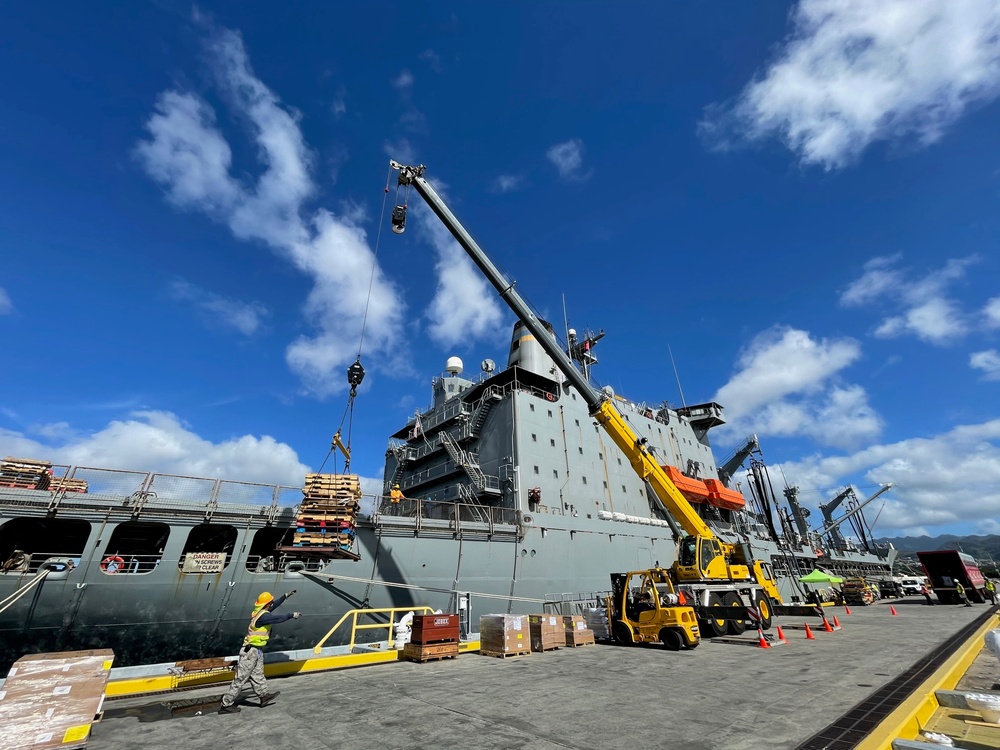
(233,709)
(268,698)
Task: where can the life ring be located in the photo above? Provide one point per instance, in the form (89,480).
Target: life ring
(549,397)
(112,564)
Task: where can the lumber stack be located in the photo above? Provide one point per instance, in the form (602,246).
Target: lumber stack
(434,637)
(328,511)
(25,473)
(504,635)
(546,632)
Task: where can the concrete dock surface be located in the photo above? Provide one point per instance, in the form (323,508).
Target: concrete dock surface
(722,695)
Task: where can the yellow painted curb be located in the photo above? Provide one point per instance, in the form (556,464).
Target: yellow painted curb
(905,722)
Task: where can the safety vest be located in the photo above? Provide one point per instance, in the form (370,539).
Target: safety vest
(396,495)
(257,636)
(990,586)
(960,589)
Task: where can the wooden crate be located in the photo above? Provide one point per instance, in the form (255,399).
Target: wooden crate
(431,629)
(434,652)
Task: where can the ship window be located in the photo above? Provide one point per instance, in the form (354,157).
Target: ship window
(581,450)
(262,557)
(555,473)
(534,438)
(536,469)
(623,488)
(550,412)
(574,396)
(619,462)
(605,485)
(585,480)
(213,539)
(577,422)
(531,406)
(600,456)
(138,544)
(552,442)
(39,539)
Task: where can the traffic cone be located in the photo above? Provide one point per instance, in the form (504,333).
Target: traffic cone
(809,633)
(847,610)
(836,622)
(826,626)
(761,640)
(781,635)
(893,610)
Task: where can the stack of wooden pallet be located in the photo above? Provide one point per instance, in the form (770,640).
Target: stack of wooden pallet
(546,632)
(25,473)
(576,631)
(328,511)
(64,484)
(504,635)
(433,637)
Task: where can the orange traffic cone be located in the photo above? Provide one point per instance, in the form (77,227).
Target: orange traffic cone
(809,633)
(847,610)
(836,622)
(893,610)
(761,640)
(781,635)
(826,626)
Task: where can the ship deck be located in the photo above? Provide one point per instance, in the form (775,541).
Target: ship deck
(722,695)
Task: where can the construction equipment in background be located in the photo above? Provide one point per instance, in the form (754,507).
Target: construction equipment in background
(858,591)
(644,607)
(711,571)
(945,568)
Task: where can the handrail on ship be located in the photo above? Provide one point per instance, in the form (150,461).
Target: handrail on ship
(353,614)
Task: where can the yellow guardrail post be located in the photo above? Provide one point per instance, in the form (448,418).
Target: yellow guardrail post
(355,627)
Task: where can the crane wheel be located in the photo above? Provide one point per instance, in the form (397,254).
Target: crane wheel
(711,627)
(766,612)
(621,633)
(671,639)
(735,627)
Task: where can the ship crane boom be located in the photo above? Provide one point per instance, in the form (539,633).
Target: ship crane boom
(709,565)
(854,511)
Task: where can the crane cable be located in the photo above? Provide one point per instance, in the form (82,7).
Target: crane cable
(356,373)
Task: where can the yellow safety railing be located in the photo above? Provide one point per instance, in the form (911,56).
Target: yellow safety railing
(353,615)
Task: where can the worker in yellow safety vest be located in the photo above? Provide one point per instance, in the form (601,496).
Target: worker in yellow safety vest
(991,590)
(395,495)
(250,667)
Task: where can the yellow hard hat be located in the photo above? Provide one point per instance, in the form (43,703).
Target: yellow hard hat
(395,486)
(264,598)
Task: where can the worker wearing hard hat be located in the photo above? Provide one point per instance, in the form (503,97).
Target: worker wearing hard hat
(250,667)
(395,495)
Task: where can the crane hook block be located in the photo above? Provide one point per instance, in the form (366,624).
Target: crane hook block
(399,219)
(355,374)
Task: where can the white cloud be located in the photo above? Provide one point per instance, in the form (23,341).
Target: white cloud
(188,155)
(465,305)
(507,183)
(403,81)
(991,313)
(568,159)
(6,306)
(244,317)
(988,361)
(784,387)
(159,441)
(339,104)
(852,72)
(401,150)
(433,59)
(925,310)
(950,478)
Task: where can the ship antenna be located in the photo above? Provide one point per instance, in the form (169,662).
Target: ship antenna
(674,365)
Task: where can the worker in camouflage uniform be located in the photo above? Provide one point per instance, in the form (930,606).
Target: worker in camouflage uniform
(250,667)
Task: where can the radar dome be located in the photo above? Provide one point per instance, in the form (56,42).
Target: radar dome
(454,365)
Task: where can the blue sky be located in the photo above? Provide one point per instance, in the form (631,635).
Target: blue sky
(799,200)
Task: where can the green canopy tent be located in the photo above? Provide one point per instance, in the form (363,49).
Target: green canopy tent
(819,577)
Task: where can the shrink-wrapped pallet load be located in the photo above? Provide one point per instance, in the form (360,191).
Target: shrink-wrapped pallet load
(597,621)
(546,632)
(504,635)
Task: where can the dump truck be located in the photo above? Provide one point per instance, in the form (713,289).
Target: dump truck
(644,607)
(945,568)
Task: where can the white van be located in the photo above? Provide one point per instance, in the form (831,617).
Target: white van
(911,585)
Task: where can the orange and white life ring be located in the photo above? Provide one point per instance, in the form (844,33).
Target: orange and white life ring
(550,397)
(112,564)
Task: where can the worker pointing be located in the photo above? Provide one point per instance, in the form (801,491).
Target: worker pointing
(250,667)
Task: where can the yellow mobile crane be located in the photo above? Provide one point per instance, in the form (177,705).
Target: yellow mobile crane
(710,571)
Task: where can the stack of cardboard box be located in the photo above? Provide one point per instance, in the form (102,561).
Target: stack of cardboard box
(504,635)
(546,632)
(576,631)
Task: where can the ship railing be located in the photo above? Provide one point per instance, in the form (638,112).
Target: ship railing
(388,625)
(573,603)
(453,514)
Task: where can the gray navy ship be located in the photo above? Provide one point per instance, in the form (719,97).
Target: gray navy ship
(516,501)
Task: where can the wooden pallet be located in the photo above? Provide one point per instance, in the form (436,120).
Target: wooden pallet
(502,655)
(422,652)
(584,643)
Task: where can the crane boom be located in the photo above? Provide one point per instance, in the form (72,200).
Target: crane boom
(645,465)
(854,511)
